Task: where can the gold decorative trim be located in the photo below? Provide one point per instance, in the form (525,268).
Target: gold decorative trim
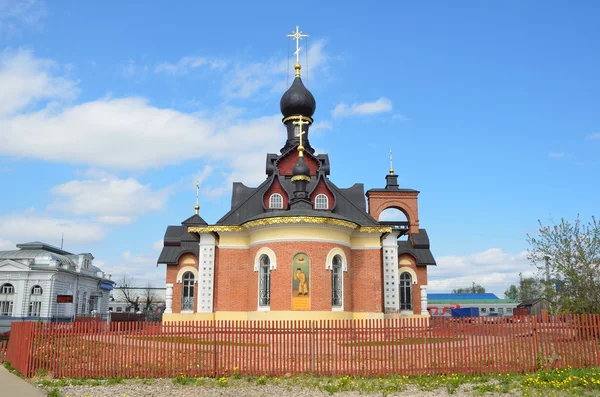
(374,229)
(298,117)
(215,228)
(282,220)
(301,178)
(291,220)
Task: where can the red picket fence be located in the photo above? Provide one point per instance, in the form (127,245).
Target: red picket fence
(3,345)
(345,347)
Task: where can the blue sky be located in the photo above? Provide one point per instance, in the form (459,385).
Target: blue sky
(109,113)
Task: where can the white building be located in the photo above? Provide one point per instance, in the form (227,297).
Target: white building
(40,281)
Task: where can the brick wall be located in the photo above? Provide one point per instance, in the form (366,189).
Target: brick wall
(237,283)
(172,271)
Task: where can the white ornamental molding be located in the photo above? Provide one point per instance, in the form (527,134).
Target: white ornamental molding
(268,252)
(333,253)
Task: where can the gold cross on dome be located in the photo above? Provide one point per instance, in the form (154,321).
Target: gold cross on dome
(301,122)
(297,36)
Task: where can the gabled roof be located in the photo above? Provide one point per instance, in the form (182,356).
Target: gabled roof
(418,246)
(350,203)
(178,241)
(194,220)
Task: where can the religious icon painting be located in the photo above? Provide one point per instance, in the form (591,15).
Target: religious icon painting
(301,282)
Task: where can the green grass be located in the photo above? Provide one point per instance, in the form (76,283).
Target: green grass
(194,341)
(54,393)
(557,382)
(403,341)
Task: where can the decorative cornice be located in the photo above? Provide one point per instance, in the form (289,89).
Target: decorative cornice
(374,229)
(291,220)
(297,117)
(215,228)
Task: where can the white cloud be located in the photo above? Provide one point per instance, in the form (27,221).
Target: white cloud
(141,267)
(6,245)
(109,199)
(26,80)
(392,214)
(158,245)
(246,80)
(400,117)
(553,155)
(595,135)
(16,15)
(185,64)
(493,269)
(321,126)
(31,226)
(382,105)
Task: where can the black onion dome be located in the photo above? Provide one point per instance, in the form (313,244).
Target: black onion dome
(301,168)
(297,100)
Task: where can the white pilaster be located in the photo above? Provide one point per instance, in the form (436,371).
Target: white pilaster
(424,300)
(390,272)
(169,299)
(206,273)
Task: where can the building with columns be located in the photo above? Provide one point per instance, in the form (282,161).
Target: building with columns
(298,246)
(40,282)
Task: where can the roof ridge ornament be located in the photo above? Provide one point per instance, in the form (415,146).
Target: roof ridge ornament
(297,36)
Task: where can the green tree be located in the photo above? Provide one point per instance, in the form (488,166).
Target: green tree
(512,293)
(473,289)
(530,288)
(569,255)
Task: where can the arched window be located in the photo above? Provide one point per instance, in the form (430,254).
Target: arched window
(7,294)
(405,286)
(187,301)
(84,303)
(276,201)
(35,302)
(321,202)
(337,283)
(264,283)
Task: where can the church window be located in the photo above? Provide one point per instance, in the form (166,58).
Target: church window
(405,285)
(6,299)
(7,289)
(264,287)
(35,302)
(276,201)
(337,281)
(321,202)
(187,301)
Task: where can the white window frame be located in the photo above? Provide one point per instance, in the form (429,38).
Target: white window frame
(7,289)
(189,285)
(273,204)
(337,267)
(401,285)
(319,203)
(35,301)
(264,271)
(7,297)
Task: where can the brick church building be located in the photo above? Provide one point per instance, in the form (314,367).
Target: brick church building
(298,246)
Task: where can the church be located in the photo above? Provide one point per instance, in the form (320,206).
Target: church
(298,247)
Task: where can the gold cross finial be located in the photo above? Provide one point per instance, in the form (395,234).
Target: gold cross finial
(391,167)
(301,122)
(197,207)
(297,36)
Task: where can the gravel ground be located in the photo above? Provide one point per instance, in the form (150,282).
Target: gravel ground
(165,387)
